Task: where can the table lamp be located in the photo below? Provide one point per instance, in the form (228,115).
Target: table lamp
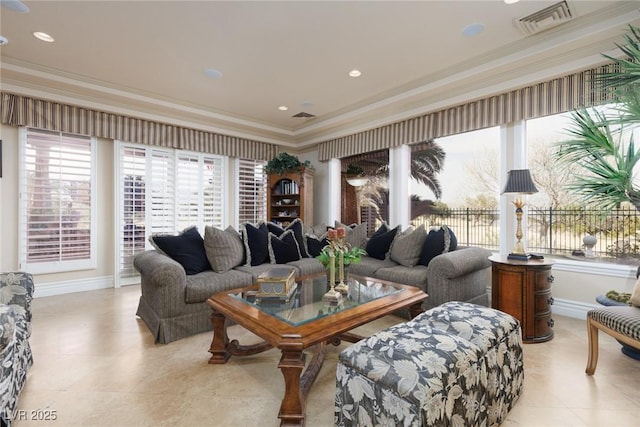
(519,181)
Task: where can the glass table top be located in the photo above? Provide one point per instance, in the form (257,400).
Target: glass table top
(306,302)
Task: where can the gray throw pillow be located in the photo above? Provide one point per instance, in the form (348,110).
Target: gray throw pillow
(224,248)
(356,237)
(407,246)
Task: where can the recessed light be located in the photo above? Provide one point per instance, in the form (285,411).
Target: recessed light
(473,29)
(213,73)
(355,73)
(283,108)
(511,1)
(15,5)
(43,36)
(3,40)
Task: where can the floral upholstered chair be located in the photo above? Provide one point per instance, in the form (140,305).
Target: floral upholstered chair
(16,293)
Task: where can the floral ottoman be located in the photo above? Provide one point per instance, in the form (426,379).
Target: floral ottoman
(456,364)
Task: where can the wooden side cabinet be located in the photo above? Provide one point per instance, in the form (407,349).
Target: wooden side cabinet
(523,289)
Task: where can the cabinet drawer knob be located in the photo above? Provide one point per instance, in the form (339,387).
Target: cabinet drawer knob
(550,300)
(550,322)
(550,278)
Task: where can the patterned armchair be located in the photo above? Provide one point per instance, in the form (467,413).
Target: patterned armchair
(16,293)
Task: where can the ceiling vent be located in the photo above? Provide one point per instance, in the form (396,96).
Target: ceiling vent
(544,19)
(302,114)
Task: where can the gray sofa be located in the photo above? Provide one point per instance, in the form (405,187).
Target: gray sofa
(16,294)
(173,305)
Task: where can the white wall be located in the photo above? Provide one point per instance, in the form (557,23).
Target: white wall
(320,186)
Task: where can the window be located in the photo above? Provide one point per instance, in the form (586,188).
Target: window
(57,209)
(199,191)
(558,219)
(163,191)
(252,191)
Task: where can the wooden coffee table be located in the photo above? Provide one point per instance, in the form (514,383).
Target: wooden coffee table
(304,321)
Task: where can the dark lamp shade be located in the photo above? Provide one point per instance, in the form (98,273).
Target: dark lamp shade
(519,181)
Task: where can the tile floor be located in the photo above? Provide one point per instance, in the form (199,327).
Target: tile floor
(96,365)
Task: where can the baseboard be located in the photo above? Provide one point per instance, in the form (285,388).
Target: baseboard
(575,309)
(69,286)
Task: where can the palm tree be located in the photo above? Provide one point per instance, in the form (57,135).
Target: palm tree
(425,166)
(601,144)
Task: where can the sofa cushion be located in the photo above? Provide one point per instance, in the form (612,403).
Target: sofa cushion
(356,235)
(254,270)
(368,266)
(256,243)
(224,248)
(439,241)
(307,266)
(283,248)
(407,246)
(379,244)
(416,275)
(201,286)
(315,244)
(296,227)
(186,248)
(315,230)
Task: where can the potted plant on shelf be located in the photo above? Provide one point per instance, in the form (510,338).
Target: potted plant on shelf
(285,162)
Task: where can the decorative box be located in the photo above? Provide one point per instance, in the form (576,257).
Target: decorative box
(278,282)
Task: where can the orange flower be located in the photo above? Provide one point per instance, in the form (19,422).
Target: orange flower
(340,232)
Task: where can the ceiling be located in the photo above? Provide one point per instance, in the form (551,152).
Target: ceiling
(148,58)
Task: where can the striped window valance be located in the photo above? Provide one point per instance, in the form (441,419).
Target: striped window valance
(552,97)
(17,110)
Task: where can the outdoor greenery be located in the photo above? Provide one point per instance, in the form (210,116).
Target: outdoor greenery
(426,164)
(601,144)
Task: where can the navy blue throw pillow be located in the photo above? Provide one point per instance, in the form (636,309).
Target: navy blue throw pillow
(257,243)
(187,249)
(296,227)
(436,244)
(380,243)
(283,248)
(315,244)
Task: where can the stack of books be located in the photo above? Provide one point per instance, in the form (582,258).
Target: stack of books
(524,257)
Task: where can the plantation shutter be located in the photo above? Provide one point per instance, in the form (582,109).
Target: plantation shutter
(131,224)
(199,193)
(57,226)
(252,191)
(162,192)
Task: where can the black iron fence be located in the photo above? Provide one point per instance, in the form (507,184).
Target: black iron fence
(550,231)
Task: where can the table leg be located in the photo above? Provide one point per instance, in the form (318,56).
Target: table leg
(292,407)
(297,383)
(220,341)
(415,309)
